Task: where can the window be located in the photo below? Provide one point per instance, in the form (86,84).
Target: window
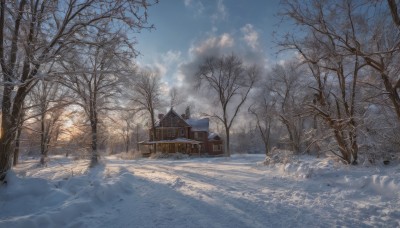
(217,147)
(196,135)
(182,132)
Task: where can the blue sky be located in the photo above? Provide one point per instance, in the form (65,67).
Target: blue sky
(187,30)
(181,23)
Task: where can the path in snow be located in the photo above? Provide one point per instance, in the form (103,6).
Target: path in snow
(212,192)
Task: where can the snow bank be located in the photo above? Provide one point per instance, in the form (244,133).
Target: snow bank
(36,202)
(378,181)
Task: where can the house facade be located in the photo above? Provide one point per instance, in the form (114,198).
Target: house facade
(175,133)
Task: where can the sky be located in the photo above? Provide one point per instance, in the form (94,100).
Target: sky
(186,31)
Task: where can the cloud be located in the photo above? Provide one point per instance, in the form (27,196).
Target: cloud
(250,35)
(188,2)
(214,42)
(213,45)
(197,6)
(179,71)
(221,12)
(165,63)
(171,57)
(218,12)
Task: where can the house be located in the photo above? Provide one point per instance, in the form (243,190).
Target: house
(175,133)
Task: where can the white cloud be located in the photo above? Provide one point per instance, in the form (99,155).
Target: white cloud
(180,77)
(165,63)
(250,35)
(171,57)
(160,68)
(166,66)
(223,41)
(221,13)
(165,88)
(197,6)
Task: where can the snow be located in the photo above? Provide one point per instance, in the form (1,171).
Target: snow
(200,192)
(212,136)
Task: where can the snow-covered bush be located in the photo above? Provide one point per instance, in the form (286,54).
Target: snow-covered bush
(279,156)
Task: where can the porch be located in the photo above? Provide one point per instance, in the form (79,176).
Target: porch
(179,145)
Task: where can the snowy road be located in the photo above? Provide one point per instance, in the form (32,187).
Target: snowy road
(212,192)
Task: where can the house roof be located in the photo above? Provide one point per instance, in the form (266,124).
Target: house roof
(196,124)
(171,111)
(199,124)
(212,135)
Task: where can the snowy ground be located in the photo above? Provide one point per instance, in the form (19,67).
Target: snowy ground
(201,192)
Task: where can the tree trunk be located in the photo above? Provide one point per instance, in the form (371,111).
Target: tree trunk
(127,144)
(93,124)
(16,149)
(266,144)
(7,130)
(95,157)
(43,140)
(393,95)
(153,124)
(354,145)
(6,149)
(266,139)
(343,147)
(227,152)
(294,145)
(9,127)
(137,138)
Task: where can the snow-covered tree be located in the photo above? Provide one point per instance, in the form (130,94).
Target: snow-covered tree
(35,32)
(146,96)
(230,81)
(47,102)
(93,73)
(340,41)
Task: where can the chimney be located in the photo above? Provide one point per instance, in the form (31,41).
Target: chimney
(187,112)
(160,116)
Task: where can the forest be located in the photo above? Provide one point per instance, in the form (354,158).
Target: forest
(70,84)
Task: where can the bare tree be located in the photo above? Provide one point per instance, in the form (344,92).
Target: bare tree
(146,96)
(285,85)
(47,101)
(335,85)
(394,11)
(232,82)
(94,76)
(363,29)
(38,31)
(343,40)
(127,130)
(263,111)
(18,137)
(175,97)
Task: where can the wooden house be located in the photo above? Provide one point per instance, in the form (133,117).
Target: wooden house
(175,133)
